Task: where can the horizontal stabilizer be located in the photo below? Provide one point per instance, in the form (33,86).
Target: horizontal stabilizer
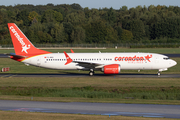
(16,56)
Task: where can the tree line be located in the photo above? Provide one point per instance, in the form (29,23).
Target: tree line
(64,23)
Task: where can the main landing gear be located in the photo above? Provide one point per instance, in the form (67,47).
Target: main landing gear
(91,73)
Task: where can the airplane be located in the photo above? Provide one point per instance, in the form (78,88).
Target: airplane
(109,63)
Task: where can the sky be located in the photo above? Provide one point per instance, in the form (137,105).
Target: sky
(115,4)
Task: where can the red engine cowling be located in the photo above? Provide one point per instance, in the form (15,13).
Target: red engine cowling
(112,69)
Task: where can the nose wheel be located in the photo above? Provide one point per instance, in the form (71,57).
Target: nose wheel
(159,73)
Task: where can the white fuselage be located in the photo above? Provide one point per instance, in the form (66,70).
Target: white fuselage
(127,61)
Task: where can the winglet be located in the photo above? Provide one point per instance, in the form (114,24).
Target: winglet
(72,51)
(69,60)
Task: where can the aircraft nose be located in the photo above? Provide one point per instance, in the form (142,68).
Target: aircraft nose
(173,63)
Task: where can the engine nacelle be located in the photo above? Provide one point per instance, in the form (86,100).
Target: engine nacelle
(112,69)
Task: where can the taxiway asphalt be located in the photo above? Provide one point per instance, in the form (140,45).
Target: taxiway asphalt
(95,75)
(145,110)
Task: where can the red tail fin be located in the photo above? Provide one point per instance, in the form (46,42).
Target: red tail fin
(22,45)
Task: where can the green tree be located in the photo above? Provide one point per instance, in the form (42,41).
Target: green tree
(167,28)
(1,18)
(52,16)
(112,35)
(48,16)
(96,32)
(78,35)
(58,16)
(44,37)
(126,36)
(119,32)
(99,32)
(57,33)
(72,24)
(31,35)
(33,15)
(110,16)
(76,18)
(176,10)
(68,28)
(76,6)
(137,29)
(124,8)
(92,15)
(23,15)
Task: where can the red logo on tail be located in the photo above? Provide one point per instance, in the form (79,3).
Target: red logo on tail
(25,48)
(20,39)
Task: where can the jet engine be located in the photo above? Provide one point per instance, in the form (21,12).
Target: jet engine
(111,69)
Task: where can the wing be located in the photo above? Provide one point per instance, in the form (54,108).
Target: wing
(89,64)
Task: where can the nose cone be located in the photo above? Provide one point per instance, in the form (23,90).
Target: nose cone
(173,63)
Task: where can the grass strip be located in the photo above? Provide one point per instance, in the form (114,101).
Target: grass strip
(97,82)
(92,100)
(146,50)
(94,89)
(172,93)
(7,115)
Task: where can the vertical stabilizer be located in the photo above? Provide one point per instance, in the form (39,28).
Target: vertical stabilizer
(21,43)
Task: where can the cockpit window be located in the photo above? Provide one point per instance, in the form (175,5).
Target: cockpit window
(166,58)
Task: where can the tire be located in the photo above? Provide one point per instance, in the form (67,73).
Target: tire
(91,73)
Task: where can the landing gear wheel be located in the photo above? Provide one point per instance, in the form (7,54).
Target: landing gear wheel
(91,73)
